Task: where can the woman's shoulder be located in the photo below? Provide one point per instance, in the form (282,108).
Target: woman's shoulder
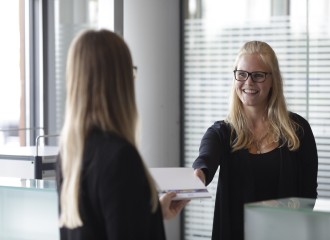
(298,119)
(110,144)
(220,126)
(101,137)
(303,125)
(220,129)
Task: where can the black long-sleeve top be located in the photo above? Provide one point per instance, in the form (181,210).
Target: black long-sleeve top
(114,200)
(295,175)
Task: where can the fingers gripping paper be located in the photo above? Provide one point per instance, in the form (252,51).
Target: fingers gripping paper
(180,180)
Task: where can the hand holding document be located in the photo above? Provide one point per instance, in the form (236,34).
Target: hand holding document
(180,180)
(171,209)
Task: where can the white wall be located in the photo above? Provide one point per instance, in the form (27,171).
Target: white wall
(152,31)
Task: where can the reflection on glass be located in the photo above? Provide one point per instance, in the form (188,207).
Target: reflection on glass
(306,204)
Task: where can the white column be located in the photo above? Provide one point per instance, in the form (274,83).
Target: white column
(152,31)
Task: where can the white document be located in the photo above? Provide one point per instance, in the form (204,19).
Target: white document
(180,180)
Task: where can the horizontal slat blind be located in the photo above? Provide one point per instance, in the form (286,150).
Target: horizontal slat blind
(208,58)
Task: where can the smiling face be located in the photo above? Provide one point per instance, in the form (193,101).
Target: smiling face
(253,94)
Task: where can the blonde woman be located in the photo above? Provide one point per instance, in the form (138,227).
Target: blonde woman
(105,190)
(263,150)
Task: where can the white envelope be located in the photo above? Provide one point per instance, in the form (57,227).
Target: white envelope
(180,180)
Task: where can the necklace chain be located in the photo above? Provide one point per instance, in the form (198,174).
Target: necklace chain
(257,143)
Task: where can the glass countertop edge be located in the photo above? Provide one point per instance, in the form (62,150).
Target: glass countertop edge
(319,205)
(33,184)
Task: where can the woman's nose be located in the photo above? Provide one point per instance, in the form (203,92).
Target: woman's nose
(249,79)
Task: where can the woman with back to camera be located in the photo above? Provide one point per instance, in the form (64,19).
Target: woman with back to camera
(105,190)
(263,150)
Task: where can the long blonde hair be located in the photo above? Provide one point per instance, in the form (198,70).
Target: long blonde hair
(100,92)
(282,127)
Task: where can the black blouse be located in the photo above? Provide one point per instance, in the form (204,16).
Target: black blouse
(242,174)
(266,172)
(114,200)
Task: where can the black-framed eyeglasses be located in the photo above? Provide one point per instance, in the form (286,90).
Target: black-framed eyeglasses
(258,76)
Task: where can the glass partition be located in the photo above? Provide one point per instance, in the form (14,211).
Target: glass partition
(289,218)
(29,209)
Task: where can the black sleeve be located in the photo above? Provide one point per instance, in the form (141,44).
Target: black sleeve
(213,148)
